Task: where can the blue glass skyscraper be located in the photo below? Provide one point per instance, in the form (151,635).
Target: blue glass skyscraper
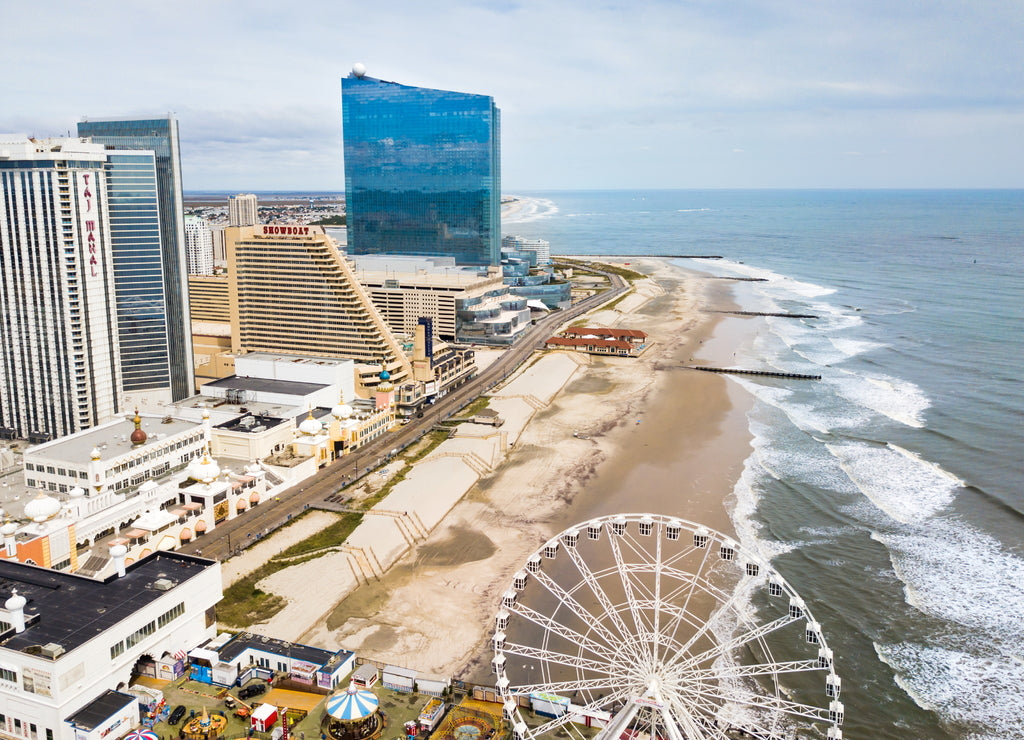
(422,171)
(144,289)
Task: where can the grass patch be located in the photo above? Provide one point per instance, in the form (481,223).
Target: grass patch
(244,604)
(474,407)
(331,536)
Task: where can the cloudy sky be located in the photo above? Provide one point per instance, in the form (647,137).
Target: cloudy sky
(594,93)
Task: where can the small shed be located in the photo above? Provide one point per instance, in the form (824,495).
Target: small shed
(432,685)
(365,675)
(399,679)
(264,717)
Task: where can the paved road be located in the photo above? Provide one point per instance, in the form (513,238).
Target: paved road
(269,515)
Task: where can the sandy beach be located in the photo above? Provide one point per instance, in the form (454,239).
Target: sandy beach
(652,436)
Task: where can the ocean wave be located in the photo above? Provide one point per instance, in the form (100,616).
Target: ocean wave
(978,688)
(897,481)
(692,210)
(959,574)
(797,287)
(899,400)
(812,417)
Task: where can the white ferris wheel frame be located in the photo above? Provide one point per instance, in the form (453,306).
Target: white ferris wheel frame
(645,680)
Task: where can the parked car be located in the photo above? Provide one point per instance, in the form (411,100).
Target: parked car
(176,715)
(253,689)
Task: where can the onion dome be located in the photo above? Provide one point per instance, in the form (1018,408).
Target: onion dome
(16,602)
(41,508)
(206,413)
(138,437)
(310,426)
(76,492)
(204,470)
(342,411)
(8,529)
(385,385)
(95,454)
(118,551)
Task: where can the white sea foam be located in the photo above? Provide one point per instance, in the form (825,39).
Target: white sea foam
(526,209)
(900,400)
(777,281)
(959,574)
(692,210)
(898,482)
(813,417)
(980,688)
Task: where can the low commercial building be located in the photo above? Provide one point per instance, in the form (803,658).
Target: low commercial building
(69,643)
(619,342)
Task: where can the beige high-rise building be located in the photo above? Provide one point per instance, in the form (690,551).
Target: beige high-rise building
(243,210)
(291,290)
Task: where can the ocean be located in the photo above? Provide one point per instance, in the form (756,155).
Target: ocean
(889,494)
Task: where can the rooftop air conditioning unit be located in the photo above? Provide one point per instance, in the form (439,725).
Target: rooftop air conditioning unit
(51,650)
(163,584)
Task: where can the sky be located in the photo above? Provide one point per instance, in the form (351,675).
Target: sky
(594,94)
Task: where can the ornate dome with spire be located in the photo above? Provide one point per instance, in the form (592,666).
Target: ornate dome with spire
(204,469)
(385,385)
(138,437)
(310,426)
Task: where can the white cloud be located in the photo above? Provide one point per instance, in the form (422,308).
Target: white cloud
(593,95)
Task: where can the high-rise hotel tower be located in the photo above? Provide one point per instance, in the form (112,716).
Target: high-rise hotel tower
(151,272)
(422,171)
(59,355)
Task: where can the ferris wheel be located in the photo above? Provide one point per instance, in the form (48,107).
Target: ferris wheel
(654,627)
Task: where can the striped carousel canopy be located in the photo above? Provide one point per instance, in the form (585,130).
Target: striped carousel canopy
(354,704)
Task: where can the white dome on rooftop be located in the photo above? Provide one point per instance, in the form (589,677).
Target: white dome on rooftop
(118,551)
(310,425)
(8,528)
(76,492)
(342,411)
(41,508)
(204,469)
(359,69)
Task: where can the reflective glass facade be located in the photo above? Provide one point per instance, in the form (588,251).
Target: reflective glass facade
(138,270)
(160,136)
(422,171)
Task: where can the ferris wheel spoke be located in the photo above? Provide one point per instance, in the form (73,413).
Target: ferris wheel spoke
(774,704)
(753,670)
(592,582)
(697,718)
(583,641)
(557,659)
(736,641)
(627,585)
(560,688)
(578,610)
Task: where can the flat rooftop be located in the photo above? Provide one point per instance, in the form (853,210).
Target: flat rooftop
(248,641)
(297,359)
(70,610)
(111,439)
(266,385)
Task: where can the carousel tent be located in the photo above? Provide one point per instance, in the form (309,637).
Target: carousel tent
(355,704)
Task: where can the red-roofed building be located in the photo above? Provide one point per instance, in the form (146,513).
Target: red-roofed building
(632,336)
(594,345)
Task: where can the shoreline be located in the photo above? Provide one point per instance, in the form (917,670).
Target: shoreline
(659,438)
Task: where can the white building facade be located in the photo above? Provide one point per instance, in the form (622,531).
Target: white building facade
(69,642)
(243,210)
(540,247)
(59,358)
(198,246)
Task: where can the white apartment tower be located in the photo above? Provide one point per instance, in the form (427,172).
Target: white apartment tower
(198,246)
(59,354)
(242,210)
